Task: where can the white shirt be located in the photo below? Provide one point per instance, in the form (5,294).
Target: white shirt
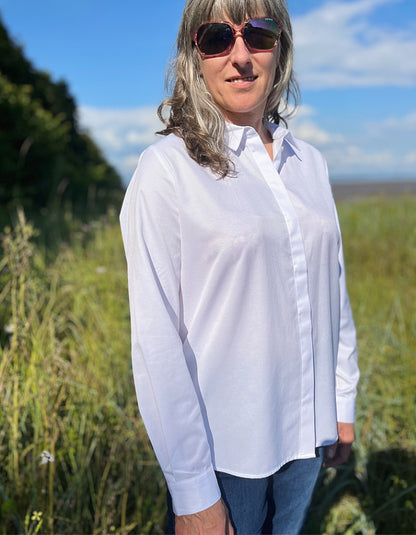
(243,342)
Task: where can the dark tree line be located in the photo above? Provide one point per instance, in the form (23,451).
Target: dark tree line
(46,161)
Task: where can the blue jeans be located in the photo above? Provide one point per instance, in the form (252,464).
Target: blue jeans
(274,505)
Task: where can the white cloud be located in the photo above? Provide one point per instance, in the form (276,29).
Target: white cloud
(121,133)
(304,127)
(311,132)
(117,127)
(348,160)
(411,158)
(383,150)
(336,45)
(406,124)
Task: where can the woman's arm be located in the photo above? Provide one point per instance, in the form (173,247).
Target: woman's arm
(347,373)
(166,394)
(212,521)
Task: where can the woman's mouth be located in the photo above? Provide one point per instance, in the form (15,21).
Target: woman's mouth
(240,79)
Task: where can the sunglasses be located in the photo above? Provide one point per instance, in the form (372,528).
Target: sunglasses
(217,38)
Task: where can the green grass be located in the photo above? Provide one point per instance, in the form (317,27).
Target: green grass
(376,491)
(66,385)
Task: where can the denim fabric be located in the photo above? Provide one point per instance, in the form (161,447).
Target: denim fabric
(273,505)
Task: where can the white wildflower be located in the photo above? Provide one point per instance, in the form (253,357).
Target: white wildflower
(9,328)
(46,457)
(100,270)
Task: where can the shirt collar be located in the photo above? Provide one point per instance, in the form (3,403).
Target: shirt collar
(235,136)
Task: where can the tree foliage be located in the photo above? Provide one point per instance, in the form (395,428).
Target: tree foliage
(46,161)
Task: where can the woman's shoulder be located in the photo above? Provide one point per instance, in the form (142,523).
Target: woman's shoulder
(165,148)
(158,163)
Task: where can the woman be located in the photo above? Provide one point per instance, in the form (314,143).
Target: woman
(243,343)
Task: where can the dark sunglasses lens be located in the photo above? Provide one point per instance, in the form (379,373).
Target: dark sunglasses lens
(214,38)
(261,34)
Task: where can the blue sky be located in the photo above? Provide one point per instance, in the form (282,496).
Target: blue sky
(355,61)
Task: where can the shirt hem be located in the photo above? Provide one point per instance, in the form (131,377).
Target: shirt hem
(296,457)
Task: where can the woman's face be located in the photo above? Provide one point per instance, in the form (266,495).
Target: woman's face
(240,82)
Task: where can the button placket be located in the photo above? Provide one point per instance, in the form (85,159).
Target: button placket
(300,276)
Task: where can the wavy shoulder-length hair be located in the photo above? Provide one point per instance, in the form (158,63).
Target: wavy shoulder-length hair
(193,115)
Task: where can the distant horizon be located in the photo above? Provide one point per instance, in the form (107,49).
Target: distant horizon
(359,189)
(355,61)
(372,180)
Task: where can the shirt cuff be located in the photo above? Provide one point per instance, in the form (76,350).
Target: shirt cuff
(346,410)
(193,496)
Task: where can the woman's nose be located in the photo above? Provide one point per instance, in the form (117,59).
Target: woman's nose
(240,53)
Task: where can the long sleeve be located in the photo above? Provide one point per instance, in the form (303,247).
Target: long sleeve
(347,371)
(165,390)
